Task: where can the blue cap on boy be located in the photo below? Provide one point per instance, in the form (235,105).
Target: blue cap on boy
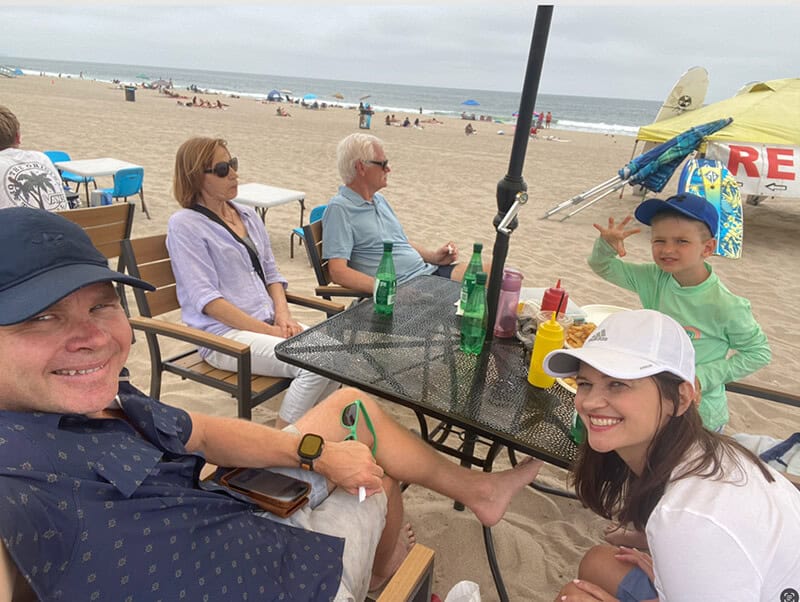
(691,205)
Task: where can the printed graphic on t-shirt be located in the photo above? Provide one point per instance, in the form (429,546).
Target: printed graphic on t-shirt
(30,184)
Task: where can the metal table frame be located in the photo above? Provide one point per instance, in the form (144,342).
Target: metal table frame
(413,359)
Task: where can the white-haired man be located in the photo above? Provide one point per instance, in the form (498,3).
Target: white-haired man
(358,221)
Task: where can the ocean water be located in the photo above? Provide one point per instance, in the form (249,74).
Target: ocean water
(579,113)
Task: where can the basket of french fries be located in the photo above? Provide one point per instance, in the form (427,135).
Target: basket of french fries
(576,334)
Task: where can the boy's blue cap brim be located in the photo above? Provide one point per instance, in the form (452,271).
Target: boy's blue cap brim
(690,205)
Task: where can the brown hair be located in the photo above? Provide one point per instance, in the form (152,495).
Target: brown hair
(705,231)
(9,128)
(193,156)
(606,485)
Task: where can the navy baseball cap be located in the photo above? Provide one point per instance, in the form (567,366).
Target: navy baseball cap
(43,258)
(690,205)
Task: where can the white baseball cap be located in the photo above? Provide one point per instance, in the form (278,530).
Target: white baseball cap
(630,345)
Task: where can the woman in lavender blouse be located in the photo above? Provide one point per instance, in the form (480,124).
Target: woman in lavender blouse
(227,286)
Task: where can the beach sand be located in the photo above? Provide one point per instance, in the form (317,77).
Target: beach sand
(442,187)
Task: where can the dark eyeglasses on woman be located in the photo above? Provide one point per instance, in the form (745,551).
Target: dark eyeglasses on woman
(223,168)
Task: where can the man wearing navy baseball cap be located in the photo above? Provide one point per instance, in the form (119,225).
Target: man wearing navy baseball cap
(46,258)
(682,284)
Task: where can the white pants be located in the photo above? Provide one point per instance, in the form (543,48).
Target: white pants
(307,389)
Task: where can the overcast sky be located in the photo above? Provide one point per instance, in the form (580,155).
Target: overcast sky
(617,50)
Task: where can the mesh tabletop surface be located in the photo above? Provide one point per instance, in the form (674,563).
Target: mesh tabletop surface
(413,358)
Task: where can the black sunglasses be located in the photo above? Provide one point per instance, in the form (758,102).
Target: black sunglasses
(382,164)
(223,168)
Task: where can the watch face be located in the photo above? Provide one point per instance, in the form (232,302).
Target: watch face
(310,446)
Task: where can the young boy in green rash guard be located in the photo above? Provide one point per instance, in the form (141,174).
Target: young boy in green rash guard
(682,285)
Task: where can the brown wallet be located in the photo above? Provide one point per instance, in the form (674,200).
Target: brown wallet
(277,506)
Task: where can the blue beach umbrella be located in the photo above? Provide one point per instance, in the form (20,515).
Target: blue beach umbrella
(652,170)
(471,103)
(310,97)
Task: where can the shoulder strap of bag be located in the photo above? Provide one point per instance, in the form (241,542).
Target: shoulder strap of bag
(253,256)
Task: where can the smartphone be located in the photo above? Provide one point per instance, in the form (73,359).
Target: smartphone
(263,482)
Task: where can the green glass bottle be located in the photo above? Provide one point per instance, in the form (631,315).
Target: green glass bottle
(474,266)
(385,283)
(473,322)
(578,431)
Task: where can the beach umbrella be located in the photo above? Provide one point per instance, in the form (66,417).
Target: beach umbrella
(365,97)
(284,91)
(310,97)
(338,95)
(471,103)
(651,170)
(762,145)
(274,95)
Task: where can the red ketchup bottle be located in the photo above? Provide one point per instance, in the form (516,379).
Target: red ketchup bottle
(555,299)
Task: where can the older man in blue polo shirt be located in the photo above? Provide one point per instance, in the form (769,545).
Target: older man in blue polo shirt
(358,220)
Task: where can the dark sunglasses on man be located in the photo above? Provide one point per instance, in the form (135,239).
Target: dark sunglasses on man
(382,164)
(223,168)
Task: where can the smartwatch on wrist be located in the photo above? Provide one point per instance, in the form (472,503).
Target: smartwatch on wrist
(310,449)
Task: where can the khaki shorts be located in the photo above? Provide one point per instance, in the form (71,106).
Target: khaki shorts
(341,515)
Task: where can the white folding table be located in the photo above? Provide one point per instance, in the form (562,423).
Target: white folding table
(104,166)
(262,197)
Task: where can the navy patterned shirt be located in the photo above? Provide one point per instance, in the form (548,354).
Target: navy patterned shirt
(92,510)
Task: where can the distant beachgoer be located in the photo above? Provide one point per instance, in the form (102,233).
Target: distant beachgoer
(548,118)
(534,132)
(388,120)
(540,121)
(416,122)
(420,110)
(406,122)
(469,130)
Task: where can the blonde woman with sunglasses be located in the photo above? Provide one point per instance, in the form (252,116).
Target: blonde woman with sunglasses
(227,279)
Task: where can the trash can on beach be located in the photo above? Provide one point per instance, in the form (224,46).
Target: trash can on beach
(130,93)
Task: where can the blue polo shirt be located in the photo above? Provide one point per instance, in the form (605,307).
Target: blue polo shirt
(355,230)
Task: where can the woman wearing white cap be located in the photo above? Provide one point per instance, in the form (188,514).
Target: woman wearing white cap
(720,524)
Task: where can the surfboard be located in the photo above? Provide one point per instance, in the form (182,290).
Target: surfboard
(712,180)
(688,93)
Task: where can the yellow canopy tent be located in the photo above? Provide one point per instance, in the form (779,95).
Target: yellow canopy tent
(761,148)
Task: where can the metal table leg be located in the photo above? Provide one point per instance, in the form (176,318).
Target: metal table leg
(499,584)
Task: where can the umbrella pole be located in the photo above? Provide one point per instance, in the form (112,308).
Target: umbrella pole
(512,183)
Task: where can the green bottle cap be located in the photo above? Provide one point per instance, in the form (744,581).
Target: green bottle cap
(480,278)
(387,245)
(477,247)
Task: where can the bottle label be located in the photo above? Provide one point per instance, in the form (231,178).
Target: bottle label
(384,292)
(466,288)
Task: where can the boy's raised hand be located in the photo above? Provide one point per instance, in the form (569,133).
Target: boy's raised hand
(616,234)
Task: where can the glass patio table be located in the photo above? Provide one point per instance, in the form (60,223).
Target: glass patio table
(412,358)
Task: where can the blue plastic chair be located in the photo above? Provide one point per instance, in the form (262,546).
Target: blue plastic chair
(316,215)
(127,182)
(68,176)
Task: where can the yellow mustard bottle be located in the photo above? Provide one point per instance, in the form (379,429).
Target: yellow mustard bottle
(549,337)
